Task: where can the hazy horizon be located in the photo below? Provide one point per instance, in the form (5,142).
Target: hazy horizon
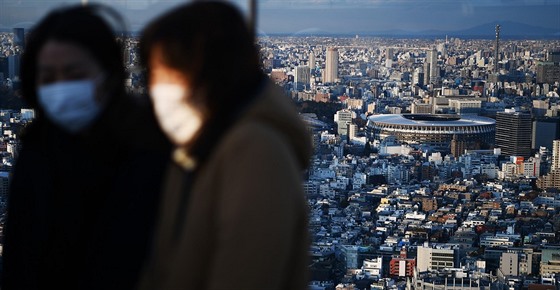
(332,16)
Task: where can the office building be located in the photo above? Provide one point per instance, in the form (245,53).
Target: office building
(418,77)
(513,133)
(516,262)
(545,131)
(466,107)
(436,257)
(550,260)
(548,72)
(330,74)
(553,56)
(343,118)
(421,108)
(302,78)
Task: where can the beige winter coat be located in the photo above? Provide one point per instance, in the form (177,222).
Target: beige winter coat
(245,223)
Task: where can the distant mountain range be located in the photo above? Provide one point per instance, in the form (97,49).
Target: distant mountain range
(508,29)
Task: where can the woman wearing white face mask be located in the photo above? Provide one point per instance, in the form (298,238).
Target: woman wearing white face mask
(85,186)
(233,214)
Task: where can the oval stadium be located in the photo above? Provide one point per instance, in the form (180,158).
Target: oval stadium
(435,130)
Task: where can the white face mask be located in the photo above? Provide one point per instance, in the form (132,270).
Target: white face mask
(70,104)
(178,120)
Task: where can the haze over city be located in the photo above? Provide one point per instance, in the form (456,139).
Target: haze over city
(397,17)
(435,127)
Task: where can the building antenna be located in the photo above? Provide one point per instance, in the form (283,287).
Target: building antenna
(497,52)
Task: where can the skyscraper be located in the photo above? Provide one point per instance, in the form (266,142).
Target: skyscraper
(431,69)
(513,133)
(331,66)
(311,60)
(545,130)
(302,78)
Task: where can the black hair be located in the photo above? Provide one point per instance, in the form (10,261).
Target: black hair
(85,26)
(212,44)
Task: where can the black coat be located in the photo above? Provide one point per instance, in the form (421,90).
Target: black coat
(82,207)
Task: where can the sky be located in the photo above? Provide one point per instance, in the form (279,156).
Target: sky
(332,16)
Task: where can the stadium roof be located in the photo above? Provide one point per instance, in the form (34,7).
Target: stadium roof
(435,120)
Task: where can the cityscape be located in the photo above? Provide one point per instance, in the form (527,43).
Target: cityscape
(437,160)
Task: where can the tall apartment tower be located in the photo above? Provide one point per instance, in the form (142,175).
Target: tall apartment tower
(431,69)
(331,66)
(311,60)
(555,155)
(513,133)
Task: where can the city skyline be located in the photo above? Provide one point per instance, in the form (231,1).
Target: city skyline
(399,17)
(419,178)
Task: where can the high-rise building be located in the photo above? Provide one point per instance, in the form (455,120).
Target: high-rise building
(302,78)
(311,63)
(389,53)
(431,69)
(418,76)
(331,66)
(548,72)
(352,131)
(553,56)
(555,155)
(545,131)
(343,118)
(513,133)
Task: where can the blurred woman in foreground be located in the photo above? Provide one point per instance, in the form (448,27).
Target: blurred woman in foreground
(233,213)
(85,187)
